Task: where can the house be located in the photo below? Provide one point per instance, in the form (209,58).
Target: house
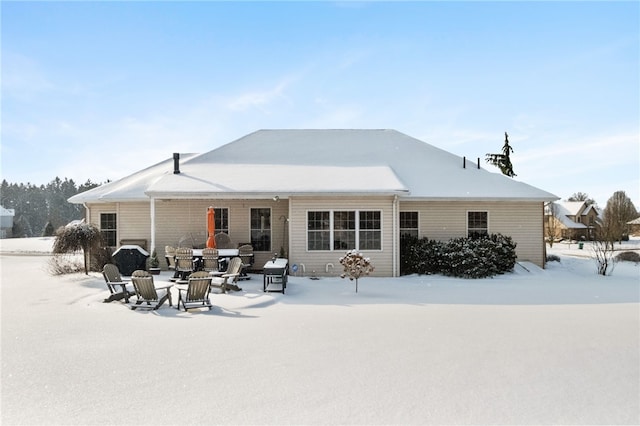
(574,220)
(634,227)
(313,194)
(6,222)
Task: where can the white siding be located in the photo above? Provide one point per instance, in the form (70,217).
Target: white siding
(318,261)
(176,219)
(519,220)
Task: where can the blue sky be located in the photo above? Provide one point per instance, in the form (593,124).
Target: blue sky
(99,90)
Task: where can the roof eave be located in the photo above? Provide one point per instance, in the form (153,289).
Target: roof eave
(269,194)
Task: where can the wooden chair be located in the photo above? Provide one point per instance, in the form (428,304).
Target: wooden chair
(117,286)
(146,291)
(170,256)
(227,280)
(184,262)
(245,252)
(196,294)
(210,260)
(223,241)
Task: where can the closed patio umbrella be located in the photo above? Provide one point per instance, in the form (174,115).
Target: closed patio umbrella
(211,228)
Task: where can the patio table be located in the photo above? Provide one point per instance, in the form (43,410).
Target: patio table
(275,272)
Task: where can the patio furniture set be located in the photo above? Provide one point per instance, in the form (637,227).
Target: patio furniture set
(193,289)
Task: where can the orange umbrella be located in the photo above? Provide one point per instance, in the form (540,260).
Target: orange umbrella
(211,228)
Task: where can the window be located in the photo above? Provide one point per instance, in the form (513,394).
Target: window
(370,235)
(409,224)
(477,224)
(108,229)
(318,231)
(344,230)
(222,220)
(261,229)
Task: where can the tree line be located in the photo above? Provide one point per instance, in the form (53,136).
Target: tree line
(41,209)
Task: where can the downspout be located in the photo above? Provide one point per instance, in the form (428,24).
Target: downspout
(395,236)
(153,224)
(87,213)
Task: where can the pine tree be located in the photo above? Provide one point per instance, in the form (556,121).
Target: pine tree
(503,161)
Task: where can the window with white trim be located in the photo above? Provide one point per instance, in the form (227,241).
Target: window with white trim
(344,230)
(477,224)
(108,229)
(409,224)
(221,220)
(318,231)
(261,229)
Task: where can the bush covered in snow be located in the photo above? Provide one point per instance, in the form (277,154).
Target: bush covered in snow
(628,256)
(355,265)
(477,257)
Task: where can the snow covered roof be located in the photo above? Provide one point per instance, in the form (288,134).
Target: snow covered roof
(7,212)
(130,188)
(571,208)
(635,221)
(295,162)
(263,180)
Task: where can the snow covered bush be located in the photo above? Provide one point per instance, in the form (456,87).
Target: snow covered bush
(61,264)
(355,265)
(477,257)
(72,238)
(628,256)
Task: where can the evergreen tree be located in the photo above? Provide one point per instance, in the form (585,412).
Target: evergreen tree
(35,206)
(503,161)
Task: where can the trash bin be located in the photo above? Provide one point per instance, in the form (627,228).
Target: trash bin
(129,258)
(580,245)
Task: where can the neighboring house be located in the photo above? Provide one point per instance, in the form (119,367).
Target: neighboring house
(313,194)
(634,227)
(6,222)
(574,220)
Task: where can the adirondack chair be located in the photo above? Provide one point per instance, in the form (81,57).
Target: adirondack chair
(227,280)
(196,293)
(147,292)
(170,256)
(210,260)
(116,285)
(184,262)
(245,252)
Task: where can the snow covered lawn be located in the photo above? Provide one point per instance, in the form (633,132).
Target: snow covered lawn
(554,346)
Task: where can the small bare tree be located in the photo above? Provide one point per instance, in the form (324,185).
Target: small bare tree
(551,225)
(355,265)
(602,248)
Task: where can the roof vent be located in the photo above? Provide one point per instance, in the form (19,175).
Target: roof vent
(176,163)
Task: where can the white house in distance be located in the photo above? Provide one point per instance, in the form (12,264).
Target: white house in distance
(314,194)
(6,222)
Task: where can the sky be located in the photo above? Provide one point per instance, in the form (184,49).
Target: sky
(99,90)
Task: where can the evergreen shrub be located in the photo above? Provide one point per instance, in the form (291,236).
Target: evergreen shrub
(628,256)
(470,257)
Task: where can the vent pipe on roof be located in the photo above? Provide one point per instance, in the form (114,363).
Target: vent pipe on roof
(464,162)
(478,163)
(176,163)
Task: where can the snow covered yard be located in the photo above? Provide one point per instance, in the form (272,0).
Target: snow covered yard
(554,346)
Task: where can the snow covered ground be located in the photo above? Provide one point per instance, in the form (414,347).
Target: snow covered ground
(553,346)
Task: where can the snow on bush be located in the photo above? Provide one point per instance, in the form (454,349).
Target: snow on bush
(355,265)
(470,257)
